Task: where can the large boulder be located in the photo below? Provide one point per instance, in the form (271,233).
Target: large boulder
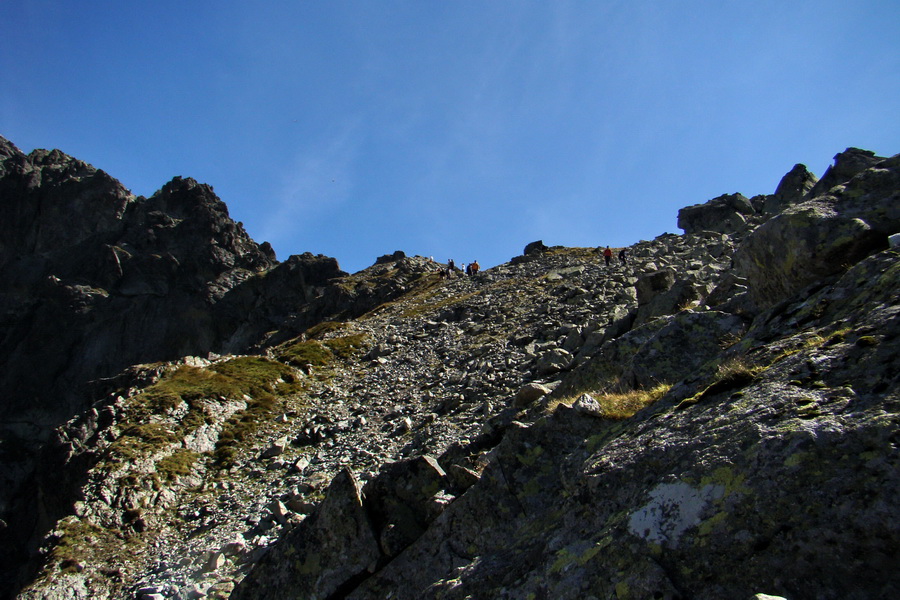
(649,285)
(332,546)
(390,258)
(681,294)
(535,248)
(403,500)
(553,361)
(724,214)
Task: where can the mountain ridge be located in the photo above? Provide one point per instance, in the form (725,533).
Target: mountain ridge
(447,436)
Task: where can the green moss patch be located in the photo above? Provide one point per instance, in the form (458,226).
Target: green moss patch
(867,341)
(315,353)
(76,537)
(348,345)
(139,440)
(257,380)
(255,375)
(267,382)
(318,331)
(180,462)
(306,353)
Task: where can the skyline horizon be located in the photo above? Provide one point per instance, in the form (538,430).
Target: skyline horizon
(439,260)
(463,129)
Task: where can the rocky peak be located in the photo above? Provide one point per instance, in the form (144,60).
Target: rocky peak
(183,197)
(847,164)
(107,275)
(792,188)
(7,148)
(52,201)
(389,258)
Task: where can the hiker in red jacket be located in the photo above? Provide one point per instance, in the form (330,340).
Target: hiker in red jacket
(607,255)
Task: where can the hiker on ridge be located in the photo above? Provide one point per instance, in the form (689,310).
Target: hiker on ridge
(622,256)
(607,255)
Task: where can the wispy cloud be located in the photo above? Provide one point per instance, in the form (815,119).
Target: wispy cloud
(317,180)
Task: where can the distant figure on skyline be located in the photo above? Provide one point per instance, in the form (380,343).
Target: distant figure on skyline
(607,255)
(622,256)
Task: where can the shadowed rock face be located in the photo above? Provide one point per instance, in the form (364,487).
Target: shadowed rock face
(103,278)
(716,419)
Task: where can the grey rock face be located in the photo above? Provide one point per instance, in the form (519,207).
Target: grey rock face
(683,345)
(712,486)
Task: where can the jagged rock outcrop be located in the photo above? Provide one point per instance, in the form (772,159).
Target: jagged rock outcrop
(334,547)
(681,426)
(792,189)
(534,248)
(847,165)
(353,532)
(108,279)
(823,235)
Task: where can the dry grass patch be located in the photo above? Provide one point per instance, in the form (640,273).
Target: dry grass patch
(619,405)
(735,373)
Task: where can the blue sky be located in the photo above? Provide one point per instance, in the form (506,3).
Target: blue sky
(453,129)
